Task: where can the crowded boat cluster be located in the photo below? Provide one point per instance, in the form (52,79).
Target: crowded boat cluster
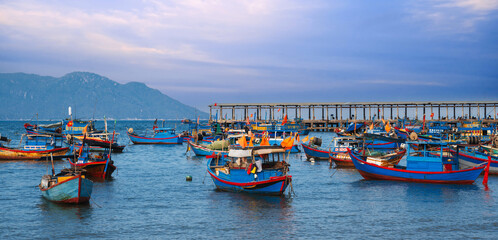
(253,157)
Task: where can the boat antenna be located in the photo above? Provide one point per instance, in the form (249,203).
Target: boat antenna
(52,160)
(94,108)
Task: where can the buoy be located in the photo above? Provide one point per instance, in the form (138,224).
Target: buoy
(312,160)
(189,178)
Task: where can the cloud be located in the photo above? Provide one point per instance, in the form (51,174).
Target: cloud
(402,82)
(472,5)
(453,16)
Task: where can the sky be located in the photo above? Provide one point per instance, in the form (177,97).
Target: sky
(202,52)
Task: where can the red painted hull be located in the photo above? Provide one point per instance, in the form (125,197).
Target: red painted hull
(372,176)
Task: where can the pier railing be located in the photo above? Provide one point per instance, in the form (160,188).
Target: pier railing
(327,116)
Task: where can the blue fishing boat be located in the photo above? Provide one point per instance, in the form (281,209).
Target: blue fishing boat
(204,150)
(34,147)
(66,126)
(472,157)
(68,186)
(258,170)
(96,165)
(160,136)
(314,152)
(430,163)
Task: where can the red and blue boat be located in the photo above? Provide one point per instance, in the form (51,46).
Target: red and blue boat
(96,165)
(257,170)
(471,158)
(427,164)
(314,152)
(34,147)
(69,186)
(160,135)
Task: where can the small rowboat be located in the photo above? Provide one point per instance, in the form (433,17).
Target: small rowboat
(69,186)
(161,136)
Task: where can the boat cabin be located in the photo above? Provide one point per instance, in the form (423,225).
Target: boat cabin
(341,144)
(430,157)
(163,131)
(263,157)
(37,142)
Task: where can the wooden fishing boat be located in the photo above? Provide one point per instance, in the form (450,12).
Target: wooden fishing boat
(69,186)
(96,165)
(186,121)
(468,159)
(258,170)
(160,136)
(7,153)
(314,152)
(492,150)
(203,150)
(102,142)
(338,153)
(422,166)
(66,126)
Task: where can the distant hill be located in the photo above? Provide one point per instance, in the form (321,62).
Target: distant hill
(24,95)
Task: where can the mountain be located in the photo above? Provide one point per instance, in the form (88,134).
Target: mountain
(24,95)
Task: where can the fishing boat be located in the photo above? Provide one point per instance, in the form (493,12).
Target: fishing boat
(35,147)
(102,142)
(338,153)
(66,126)
(69,186)
(204,150)
(160,135)
(186,121)
(492,150)
(257,170)
(423,165)
(312,150)
(473,157)
(96,165)
(7,153)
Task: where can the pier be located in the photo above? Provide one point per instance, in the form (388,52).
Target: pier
(328,116)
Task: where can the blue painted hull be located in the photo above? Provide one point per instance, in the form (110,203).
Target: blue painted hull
(468,159)
(147,140)
(74,190)
(379,144)
(317,154)
(268,182)
(374,172)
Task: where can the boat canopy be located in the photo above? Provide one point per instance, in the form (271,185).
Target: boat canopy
(239,152)
(164,129)
(267,150)
(52,125)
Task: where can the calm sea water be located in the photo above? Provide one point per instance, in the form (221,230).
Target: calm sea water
(149,198)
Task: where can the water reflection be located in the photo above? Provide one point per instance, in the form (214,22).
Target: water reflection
(65,211)
(253,214)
